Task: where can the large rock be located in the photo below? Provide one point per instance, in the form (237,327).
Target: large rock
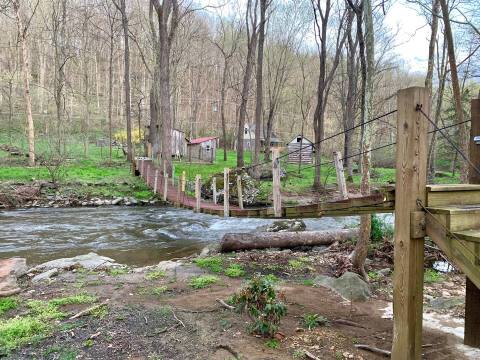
(350,286)
(90,261)
(443,303)
(47,275)
(10,270)
(286,225)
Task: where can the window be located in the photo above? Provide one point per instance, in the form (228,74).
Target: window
(246,131)
(299,139)
(208,147)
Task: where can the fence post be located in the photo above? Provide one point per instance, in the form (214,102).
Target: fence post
(472,293)
(173,175)
(342,185)
(147,174)
(410,187)
(142,172)
(239,192)
(226,192)
(155,182)
(165,186)
(198,194)
(214,190)
(277,196)
(184,176)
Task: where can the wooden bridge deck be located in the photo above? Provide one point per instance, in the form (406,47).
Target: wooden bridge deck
(382,200)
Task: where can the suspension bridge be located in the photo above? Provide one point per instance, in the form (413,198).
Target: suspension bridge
(448,214)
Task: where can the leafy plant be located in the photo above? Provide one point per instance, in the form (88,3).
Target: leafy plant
(308,282)
(235,270)
(432,276)
(117,271)
(88,343)
(154,275)
(214,263)
(373,275)
(7,303)
(380,229)
(260,300)
(159,290)
(18,331)
(311,321)
(203,281)
(272,343)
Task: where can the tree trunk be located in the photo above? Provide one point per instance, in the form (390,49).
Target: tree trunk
(264,240)
(431,46)
(110,93)
(222,108)
(462,131)
(22,34)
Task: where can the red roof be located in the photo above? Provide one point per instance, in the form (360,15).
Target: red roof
(203,139)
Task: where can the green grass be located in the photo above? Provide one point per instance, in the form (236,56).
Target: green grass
(7,303)
(272,343)
(74,299)
(308,282)
(155,275)
(235,270)
(311,321)
(117,271)
(61,353)
(214,263)
(203,281)
(159,290)
(431,276)
(19,331)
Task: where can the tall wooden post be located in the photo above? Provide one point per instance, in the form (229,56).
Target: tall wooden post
(472,295)
(142,172)
(239,192)
(342,185)
(226,192)
(173,175)
(198,194)
(155,182)
(411,180)
(214,190)
(165,186)
(184,177)
(147,174)
(277,197)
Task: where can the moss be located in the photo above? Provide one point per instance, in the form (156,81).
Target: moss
(19,331)
(214,263)
(8,303)
(155,275)
(203,281)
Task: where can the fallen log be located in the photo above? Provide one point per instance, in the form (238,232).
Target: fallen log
(264,240)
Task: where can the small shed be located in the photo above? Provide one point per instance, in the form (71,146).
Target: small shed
(202,149)
(300,150)
(179,144)
(249,138)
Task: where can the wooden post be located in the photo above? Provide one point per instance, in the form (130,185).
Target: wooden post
(142,172)
(184,176)
(214,190)
(165,187)
(147,174)
(277,197)
(342,185)
(173,175)
(239,192)
(198,194)
(155,182)
(226,192)
(472,295)
(411,180)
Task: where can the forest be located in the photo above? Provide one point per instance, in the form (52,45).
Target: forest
(251,108)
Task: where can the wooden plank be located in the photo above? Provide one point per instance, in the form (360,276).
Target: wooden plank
(198,194)
(214,190)
(226,192)
(165,186)
(184,180)
(453,187)
(239,192)
(410,186)
(277,196)
(342,185)
(155,182)
(460,197)
(472,296)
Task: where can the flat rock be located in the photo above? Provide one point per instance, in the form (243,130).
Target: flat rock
(350,286)
(47,275)
(10,270)
(286,225)
(90,261)
(443,303)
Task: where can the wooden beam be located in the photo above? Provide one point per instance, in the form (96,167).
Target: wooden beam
(214,190)
(277,196)
(226,192)
(472,295)
(198,194)
(342,185)
(165,186)
(239,192)
(155,182)
(411,181)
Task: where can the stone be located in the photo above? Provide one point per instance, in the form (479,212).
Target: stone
(47,275)
(90,261)
(350,286)
(287,225)
(117,201)
(443,303)
(384,272)
(10,270)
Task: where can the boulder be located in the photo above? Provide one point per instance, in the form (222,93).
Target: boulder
(350,286)
(286,225)
(47,275)
(10,270)
(444,303)
(90,261)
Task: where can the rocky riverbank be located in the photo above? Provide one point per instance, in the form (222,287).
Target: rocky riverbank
(91,307)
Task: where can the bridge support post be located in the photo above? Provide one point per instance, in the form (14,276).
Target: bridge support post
(342,185)
(226,192)
(155,182)
(411,179)
(239,192)
(472,296)
(277,196)
(198,194)
(214,190)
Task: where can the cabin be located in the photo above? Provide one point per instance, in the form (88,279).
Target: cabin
(202,149)
(249,138)
(179,144)
(300,150)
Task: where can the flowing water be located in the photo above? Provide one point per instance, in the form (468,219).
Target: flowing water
(130,235)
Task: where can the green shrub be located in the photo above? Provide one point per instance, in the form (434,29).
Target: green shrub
(272,343)
(380,229)
(203,281)
(432,276)
(7,303)
(311,321)
(259,299)
(214,263)
(235,270)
